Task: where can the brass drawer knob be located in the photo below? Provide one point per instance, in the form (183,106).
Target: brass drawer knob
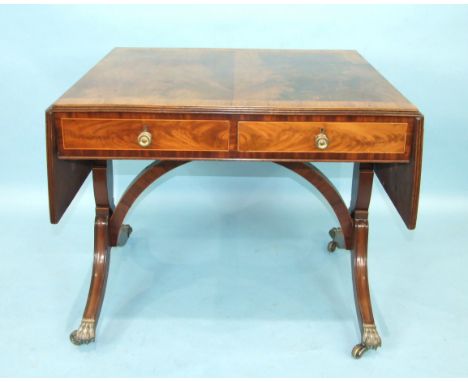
(321,140)
(144,139)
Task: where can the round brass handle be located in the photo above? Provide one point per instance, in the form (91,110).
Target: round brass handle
(144,139)
(321,140)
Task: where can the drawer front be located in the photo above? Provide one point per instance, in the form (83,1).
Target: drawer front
(165,135)
(343,137)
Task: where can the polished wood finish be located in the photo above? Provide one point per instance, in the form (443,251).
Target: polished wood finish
(314,176)
(121,134)
(65,177)
(234,104)
(103,194)
(345,137)
(402,181)
(233,152)
(360,199)
(233,81)
(146,177)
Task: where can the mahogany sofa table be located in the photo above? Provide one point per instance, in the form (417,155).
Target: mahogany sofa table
(290,107)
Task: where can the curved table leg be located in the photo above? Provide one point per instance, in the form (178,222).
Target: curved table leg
(362,187)
(118,232)
(109,230)
(86,332)
(314,176)
(102,181)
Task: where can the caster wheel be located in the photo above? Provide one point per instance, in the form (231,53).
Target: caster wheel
(127,228)
(358,351)
(331,246)
(124,234)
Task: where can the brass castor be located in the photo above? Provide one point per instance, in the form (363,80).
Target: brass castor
(85,334)
(124,234)
(370,340)
(337,240)
(358,351)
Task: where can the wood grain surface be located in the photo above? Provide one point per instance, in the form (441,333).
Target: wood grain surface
(402,181)
(233,80)
(64,177)
(234,104)
(114,134)
(236,87)
(346,137)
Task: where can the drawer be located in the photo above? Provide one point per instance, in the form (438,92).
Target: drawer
(144,134)
(340,137)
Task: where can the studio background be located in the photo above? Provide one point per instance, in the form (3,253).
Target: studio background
(227,273)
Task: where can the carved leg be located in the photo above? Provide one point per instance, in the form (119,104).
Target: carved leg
(362,187)
(102,181)
(109,231)
(370,338)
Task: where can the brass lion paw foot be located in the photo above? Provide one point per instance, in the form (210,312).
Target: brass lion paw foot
(124,234)
(337,240)
(370,340)
(85,334)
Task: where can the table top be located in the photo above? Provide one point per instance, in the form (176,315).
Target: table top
(234,81)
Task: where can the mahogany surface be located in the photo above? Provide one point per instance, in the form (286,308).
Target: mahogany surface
(346,137)
(402,182)
(168,134)
(233,81)
(64,177)
(234,104)
(134,190)
(360,199)
(314,176)
(103,195)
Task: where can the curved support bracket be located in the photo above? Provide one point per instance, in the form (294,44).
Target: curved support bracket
(146,177)
(158,168)
(314,176)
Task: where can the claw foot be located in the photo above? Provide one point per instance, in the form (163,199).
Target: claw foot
(370,340)
(337,239)
(124,234)
(84,334)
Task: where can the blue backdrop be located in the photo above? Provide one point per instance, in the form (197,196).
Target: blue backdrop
(227,273)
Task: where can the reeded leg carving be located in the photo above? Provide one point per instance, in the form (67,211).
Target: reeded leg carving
(86,332)
(370,338)
(362,186)
(337,239)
